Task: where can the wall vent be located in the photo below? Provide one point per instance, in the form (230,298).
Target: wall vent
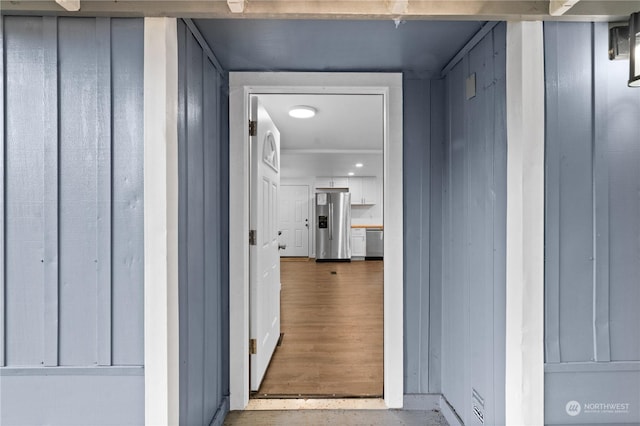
(477,405)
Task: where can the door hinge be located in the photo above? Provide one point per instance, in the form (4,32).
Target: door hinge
(252,237)
(253,346)
(253,128)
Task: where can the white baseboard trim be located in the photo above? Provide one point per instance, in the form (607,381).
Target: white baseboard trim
(432,401)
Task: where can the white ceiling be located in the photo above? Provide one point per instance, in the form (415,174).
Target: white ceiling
(346,130)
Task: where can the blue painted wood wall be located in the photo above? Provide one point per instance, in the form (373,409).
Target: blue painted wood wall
(474,233)
(203,235)
(71,260)
(423,134)
(592,267)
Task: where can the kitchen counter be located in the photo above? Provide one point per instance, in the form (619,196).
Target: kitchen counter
(367,226)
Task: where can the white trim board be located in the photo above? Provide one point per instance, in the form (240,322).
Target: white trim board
(242,84)
(524,380)
(161,357)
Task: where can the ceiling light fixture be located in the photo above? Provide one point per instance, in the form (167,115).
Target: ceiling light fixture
(302,111)
(359,164)
(351,173)
(634,50)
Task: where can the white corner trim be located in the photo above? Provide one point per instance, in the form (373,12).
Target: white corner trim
(161,357)
(241,86)
(524,382)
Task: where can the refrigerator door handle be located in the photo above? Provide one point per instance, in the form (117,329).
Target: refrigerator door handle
(330,220)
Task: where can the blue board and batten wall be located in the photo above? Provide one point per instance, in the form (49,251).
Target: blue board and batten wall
(474,190)
(592,266)
(72,218)
(72,213)
(203,234)
(72,296)
(423,135)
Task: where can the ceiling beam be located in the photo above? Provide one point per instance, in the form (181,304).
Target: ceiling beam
(560,7)
(236,6)
(70,5)
(486,10)
(398,7)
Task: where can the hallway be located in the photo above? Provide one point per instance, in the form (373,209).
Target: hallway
(332,318)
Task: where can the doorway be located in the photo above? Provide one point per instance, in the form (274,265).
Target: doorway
(331,311)
(294,220)
(242,85)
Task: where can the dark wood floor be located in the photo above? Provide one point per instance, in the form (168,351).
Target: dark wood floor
(332,319)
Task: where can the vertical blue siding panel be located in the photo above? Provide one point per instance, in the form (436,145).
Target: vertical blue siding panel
(596,151)
(127,57)
(183,248)
(51,207)
(425,247)
(436,177)
(474,232)
(65,105)
(576,194)
(24,191)
(620,114)
(224,226)
(213,278)
(78,212)
(203,234)
(480,241)
(3,241)
(103,191)
(552,206)
(602,343)
(499,185)
(454,303)
(416,144)
(195,226)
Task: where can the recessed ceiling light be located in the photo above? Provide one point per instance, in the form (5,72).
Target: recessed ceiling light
(351,173)
(302,111)
(359,164)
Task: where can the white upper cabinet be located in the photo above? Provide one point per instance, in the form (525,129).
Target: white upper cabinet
(370,190)
(364,190)
(332,182)
(355,188)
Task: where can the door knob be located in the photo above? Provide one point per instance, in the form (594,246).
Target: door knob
(282,246)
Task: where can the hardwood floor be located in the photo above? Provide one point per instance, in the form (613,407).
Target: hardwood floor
(332,319)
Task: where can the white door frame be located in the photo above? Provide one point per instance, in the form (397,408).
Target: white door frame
(243,84)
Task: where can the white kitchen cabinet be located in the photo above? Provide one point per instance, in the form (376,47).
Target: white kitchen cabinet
(331,182)
(355,188)
(358,242)
(370,190)
(364,190)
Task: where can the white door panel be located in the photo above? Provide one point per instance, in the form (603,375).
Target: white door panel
(264,257)
(294,220)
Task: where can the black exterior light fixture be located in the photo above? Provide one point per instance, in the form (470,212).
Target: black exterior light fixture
(634,50)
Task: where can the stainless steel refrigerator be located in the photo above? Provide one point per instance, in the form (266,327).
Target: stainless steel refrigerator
(333,226)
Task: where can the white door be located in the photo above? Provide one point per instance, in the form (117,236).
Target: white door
(294,220)
(264,268)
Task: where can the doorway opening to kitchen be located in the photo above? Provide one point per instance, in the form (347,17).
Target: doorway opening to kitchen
(329,234)
(386,91)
